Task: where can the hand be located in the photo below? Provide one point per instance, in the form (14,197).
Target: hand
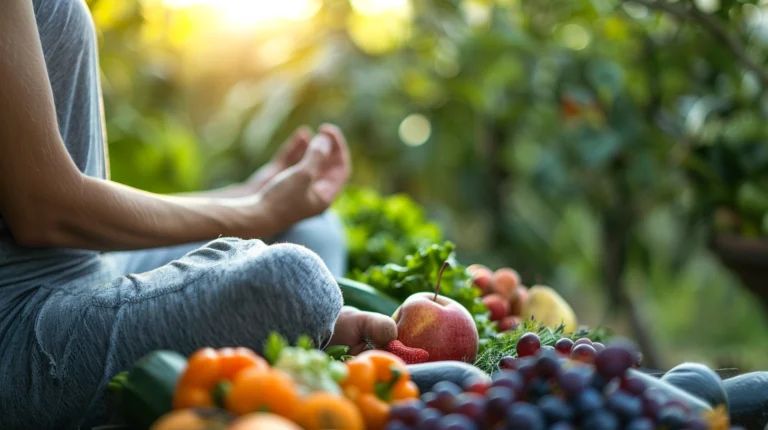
(308,187)
(354,325)
(288,155)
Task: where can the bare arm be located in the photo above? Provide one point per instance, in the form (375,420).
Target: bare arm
(46,201)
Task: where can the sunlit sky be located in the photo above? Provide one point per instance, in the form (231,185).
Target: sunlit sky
(252,12)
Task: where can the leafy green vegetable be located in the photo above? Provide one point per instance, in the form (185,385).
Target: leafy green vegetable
(420,274)
(503,345)
(382,230)
(274,346)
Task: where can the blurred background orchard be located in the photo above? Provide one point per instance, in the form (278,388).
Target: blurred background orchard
(601,147)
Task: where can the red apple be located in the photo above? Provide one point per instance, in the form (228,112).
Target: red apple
(517,300)
(509,322)
(498,305)
(437,324)
(505,281)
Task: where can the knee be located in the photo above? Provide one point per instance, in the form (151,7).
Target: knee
(325,235)
(308,299)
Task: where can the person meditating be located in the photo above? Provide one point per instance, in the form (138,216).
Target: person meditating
(94,274)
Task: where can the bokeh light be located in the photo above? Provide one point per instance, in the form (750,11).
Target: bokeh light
(415,130)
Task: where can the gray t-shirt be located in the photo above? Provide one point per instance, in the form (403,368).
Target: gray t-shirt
(69,45)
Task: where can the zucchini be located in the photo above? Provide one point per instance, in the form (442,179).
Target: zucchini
(748,396)
(145,392)
(699,380)
(366,298)
(426,375)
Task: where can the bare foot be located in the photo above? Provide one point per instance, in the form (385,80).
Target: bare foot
(354,326)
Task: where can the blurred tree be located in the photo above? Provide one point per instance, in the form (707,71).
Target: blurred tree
(592,142)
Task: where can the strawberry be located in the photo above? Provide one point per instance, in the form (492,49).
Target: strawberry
(408,354)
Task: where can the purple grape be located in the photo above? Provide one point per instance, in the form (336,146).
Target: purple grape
(633,385)
(575,380)
(442,401)
(651,407)
(508,363)
(599,347)
(538,388)
(582,341)
(476,385)
(547,348)
(613,362)
(428,419)
(599,383)
(525,416)
(588,402)
(562,425)
(396,425)
(555,409)
(527,370)
(601,419)
(407,411)
(624,405)
(547,365)
(696,423)
(640,424)
(498,399)
(584,353)
(455,422)
(528,344)
(563,346)
(471,405)
(509,379)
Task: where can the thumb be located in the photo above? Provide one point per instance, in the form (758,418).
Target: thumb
(317,152)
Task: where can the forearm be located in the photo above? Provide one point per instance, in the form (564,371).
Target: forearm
(103,215)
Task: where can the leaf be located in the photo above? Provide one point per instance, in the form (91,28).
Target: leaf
(274,346)
(305,342)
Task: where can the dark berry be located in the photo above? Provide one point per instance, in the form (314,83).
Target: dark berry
(582,341)
(583,353)
(613,362)
(498,399)
(525,416)
(538,388)
(546,366)
(555,409)
(624,404)
(640,424)
(508,363)
(396,425)
(455,422)
(476,385)
(599,383)
(587,402)
(447,386)
(528,344)
(428,419)
(509,379)
(407,411)
(563,346)
(471,405)
(601,419)
(575,380)
(547,348)
(633,385)
(442,401)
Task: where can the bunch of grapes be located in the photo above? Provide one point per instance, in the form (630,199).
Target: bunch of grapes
(542,390)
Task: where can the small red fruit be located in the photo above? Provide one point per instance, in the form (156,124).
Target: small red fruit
(583,352)
(482,278)
(509,322)
(408,354)
(517,300)
(505,281)
(583,340)
(528,344)
(498,306)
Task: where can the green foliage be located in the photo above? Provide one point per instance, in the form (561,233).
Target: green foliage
(382,230)
(420,274)
(505,343)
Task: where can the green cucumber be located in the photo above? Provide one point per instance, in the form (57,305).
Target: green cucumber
(146,390)
(366,298)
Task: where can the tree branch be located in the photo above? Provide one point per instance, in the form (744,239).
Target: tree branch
(715,28)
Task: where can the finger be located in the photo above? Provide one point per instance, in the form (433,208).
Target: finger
(296,145)
(340,145)
(379,329)
(318,151)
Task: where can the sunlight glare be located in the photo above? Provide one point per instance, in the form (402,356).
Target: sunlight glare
(252,12)
(378,7)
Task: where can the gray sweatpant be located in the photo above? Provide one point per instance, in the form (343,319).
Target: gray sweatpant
(65,342)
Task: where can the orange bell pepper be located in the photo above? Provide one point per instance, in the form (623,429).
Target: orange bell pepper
(208,374)
(374,380)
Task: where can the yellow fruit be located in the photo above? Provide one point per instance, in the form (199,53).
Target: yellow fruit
(548,308)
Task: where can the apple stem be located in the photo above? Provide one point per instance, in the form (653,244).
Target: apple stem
(439,278)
